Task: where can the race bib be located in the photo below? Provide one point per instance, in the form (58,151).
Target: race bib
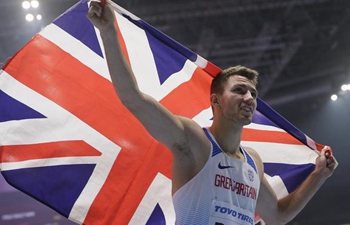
(223,213)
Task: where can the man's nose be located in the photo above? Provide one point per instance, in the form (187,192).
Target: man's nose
(248,96)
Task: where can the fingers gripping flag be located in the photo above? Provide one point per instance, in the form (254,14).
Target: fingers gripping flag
(67,141)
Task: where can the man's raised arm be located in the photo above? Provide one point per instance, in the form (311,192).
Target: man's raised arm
(159,122)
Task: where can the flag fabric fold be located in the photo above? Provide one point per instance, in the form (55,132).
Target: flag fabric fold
(67,141)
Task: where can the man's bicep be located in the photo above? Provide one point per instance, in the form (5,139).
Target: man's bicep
(162,124)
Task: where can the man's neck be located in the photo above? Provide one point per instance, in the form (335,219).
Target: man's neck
(228,138)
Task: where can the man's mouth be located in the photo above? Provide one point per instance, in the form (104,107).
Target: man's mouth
(247,109)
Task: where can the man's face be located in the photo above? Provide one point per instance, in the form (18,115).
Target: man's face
(238,100)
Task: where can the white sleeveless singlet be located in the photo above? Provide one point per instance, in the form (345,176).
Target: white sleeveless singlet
(224,192)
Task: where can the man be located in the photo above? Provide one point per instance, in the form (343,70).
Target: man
(214,179)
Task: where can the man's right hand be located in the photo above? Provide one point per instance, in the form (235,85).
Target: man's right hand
(102,17)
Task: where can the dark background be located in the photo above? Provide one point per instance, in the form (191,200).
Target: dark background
(300,48)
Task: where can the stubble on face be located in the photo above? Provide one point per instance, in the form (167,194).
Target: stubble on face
(239,100)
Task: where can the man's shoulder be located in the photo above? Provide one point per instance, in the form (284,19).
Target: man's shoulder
(251,152)
(187,164)
(254,154)
(193,130)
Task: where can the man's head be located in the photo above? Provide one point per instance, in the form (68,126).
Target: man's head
(233,95)
(218,83)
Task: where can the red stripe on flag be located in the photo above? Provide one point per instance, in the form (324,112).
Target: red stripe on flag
(212,69)
(158,159)
(18,153)
(269,136)
(191,97)
(319,147)
(55,74)
(58,76)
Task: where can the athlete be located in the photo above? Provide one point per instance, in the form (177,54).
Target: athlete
(214,180)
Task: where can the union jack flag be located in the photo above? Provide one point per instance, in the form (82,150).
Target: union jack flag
(67,141)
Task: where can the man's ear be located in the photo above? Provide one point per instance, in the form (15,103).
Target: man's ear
(214,100)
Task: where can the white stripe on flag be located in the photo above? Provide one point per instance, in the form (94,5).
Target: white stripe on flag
(143,64)
(34,163)
(201,62)
(80,51)
(282,153)
(278,186)
(52,128)
(159,192)
(310,142)
(204,118)
(257,126)
(121,10)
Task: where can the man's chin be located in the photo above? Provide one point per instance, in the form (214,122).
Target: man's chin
(247,121)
